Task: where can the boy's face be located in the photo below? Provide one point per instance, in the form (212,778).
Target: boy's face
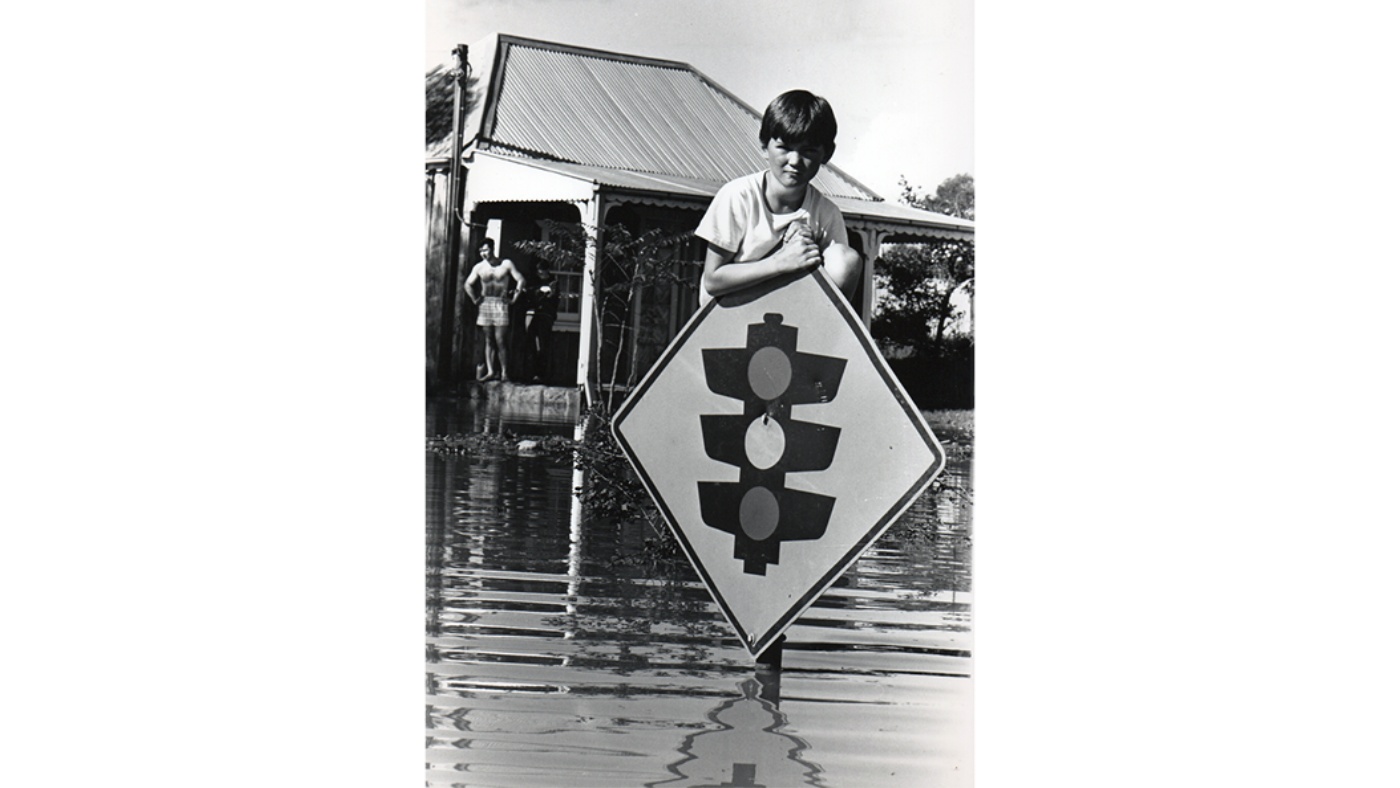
(794,165)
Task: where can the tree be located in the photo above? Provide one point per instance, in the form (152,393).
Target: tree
(626,265)
(439,86)
(917,284)
(954,197)
(920,280)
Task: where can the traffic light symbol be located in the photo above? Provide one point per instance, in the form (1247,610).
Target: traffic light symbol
(766,444)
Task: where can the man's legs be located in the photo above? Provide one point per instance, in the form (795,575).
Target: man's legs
(491,344)
(501,344)
(485,353)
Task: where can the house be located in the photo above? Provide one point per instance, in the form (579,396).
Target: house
(573,135)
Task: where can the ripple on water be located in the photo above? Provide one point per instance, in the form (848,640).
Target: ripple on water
(549,663)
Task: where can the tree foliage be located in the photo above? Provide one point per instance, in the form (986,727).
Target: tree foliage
(439,86)
(918,281)
(954,197)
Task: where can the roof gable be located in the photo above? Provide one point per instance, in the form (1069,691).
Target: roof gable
(614,111)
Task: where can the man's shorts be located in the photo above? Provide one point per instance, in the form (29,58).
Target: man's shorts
(492,312)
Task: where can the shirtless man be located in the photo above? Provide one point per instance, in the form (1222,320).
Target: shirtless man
(493,314)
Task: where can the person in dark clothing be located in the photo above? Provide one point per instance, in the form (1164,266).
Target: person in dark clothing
(545,298)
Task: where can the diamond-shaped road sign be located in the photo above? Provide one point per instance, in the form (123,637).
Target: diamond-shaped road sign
(778,445)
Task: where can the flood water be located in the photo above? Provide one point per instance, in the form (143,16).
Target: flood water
(570,653)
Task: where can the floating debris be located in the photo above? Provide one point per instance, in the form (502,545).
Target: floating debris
(473,443)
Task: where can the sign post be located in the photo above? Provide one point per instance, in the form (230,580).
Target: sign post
(778,446)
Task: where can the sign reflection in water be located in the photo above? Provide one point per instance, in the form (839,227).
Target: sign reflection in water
(748,746)
(558,655)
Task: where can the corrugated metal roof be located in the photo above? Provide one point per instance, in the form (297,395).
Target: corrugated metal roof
(898,213)
(626,113)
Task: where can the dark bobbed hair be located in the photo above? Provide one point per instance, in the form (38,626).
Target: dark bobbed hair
(799,117)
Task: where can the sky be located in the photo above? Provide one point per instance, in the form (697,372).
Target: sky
(897,72)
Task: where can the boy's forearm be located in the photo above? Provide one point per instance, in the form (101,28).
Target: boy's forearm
(736,276)
(725,276)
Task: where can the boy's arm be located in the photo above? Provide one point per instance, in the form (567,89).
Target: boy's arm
(722,275)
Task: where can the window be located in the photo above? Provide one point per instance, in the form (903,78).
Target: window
(569,284)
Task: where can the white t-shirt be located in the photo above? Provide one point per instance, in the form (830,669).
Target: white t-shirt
(739,220)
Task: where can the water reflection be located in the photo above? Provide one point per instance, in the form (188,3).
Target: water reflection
(748,746)
(555,656)
(544,412)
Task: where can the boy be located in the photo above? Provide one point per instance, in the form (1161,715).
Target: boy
(774,222)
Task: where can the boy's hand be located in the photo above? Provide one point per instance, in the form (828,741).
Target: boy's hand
(798,230)
(799,252)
